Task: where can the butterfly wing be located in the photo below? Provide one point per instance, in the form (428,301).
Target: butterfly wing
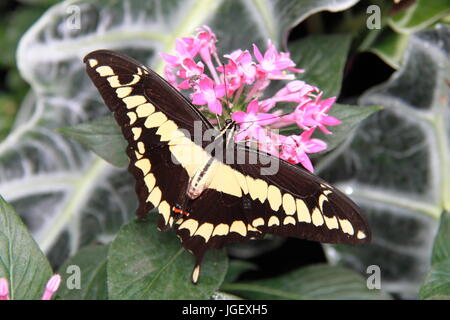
(246,200)
(156,120)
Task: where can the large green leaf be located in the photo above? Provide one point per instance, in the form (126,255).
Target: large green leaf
(421,14)
(397,167)
(22,263)
(325,67)
(144,263)
(437,282)
(90,267)
(318,282)
(66,194)
(390,46)
(104,137)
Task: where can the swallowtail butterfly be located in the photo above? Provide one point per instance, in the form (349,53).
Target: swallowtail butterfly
(208,201)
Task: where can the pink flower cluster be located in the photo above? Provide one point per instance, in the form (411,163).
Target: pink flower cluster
(50,288)
(237,88)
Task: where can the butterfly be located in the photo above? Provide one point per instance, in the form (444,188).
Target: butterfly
(206,187)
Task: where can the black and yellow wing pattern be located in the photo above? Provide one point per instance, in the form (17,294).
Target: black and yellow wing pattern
(237,202)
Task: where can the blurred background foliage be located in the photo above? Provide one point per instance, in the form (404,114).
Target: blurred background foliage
(392,67)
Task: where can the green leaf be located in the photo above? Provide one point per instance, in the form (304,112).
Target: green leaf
(318,282)
(420,15)
(390,46)
(91,262)
(441,247)
(22,263)
(351,117)
(8,109)
(238,267)
(396,167)
(323,67)
(144,263)
(437,283)
(104,137)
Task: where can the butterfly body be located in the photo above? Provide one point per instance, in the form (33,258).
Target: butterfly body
(211,190)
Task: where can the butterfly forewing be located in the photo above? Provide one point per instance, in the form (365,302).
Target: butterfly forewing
(236,201)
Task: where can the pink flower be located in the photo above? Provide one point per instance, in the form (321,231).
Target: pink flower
(273,63)
(251,122)
(50,288)
(185,48)
(190,72)
(4,289)
(243,61)
(295,148)
(170,76)
(294,91)
(315,114)
(241,84)
(207,43)
(208,93)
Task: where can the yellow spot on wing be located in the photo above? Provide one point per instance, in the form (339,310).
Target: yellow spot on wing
(242,181)
(138,155)
(144,165)
(346,226)
(132,117)
(289,204)
(327,192)
(274,197)
(322,199)
(303,214)
(144,110)
(115,83)
(239,227)
(361,235)
(195,272)
(273,221)
(289,220)
(92,62)
(221,230)
(105,71)
(136,133)
(317,218)
(164,209)
(261,189)
(150,181)
(205,231)
(134,101)
(141,147)
(155,120)
(251,228)
(224,180)
(258,222)
(155,196)
(167,130)
(331,223)
(123,92)
(251,187)
(189,224)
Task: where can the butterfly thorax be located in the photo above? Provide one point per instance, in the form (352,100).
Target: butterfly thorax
(201,180)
